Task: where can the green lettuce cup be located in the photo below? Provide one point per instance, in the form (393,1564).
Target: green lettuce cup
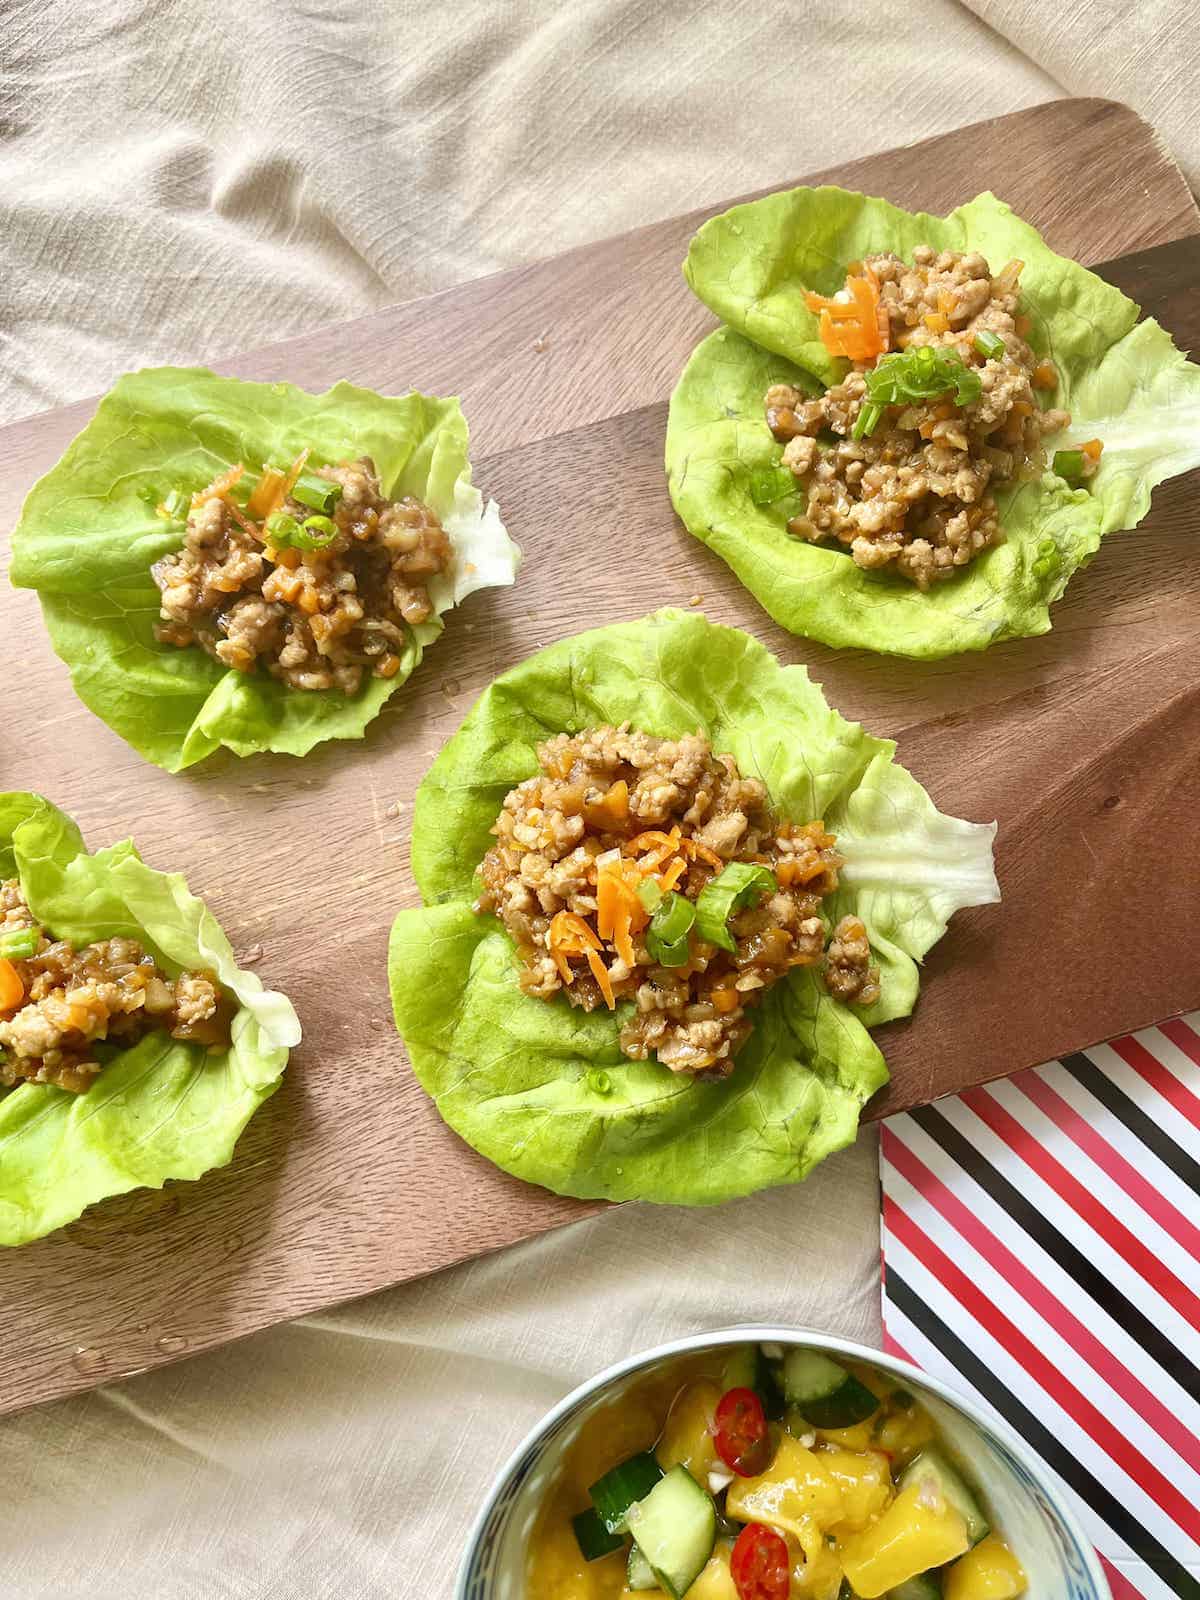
(543,1089)
(89,534)
(162,1108)
(1123,382)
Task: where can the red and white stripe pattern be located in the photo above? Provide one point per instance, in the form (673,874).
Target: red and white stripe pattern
(1041,1248)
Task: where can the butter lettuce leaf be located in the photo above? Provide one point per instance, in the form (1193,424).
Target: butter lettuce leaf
(162,1109)
(1124,382)
(89,534)
(542,1089)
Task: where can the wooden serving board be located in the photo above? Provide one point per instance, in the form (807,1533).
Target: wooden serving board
(1082,743)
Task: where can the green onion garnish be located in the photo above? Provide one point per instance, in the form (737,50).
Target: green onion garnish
(770,484)
(667,935)
(649,893)
(314,533)
(175,505)
(866,421)
(598,1081)
(20,944)
(922,372)
(740,884)
(319,493)
(989,345)
(1068,464)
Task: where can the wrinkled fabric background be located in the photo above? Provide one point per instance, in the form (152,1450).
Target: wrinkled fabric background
(183,179)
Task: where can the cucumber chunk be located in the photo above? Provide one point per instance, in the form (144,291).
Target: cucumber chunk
(676,1528)
(932,1467)
(592,1537)
(614,1493)
(747,1368)
(925,1586)
(825,1394)
(639,1574)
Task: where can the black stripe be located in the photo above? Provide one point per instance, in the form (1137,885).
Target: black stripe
(1159,1346)
(1092,1492)
(1098,1083)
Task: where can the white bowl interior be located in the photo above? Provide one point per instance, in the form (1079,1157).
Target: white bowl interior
(1059,1563)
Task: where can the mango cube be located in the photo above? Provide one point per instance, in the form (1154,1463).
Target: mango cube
(916,1532)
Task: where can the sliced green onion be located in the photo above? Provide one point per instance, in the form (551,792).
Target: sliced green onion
(667,935)
(314,533)
(649,893)
(741,883)
(319,493)
(175,505)
(867,420)
(281,529)
(922,373)
(1069,465)
(598,1081)
(770,484)
(989,345)
(20,944)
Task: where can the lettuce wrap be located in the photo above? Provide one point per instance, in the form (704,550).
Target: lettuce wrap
(1123,382)
(163,1108)
(542,1089)
(89,534)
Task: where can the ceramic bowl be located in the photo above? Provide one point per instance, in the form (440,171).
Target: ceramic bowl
(1060,1562)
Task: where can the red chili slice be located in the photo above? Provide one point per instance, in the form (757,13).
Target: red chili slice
(759,1564)
(740,1433)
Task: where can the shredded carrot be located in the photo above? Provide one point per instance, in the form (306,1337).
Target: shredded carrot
(1023,326)
(672,874)
(704,853)
(612,912)
(310,602)
(294,471)
(235,511)
(1044,376)
(1092,449)
(725,999)
(652,837)
(600,973)
(570,933)
(268,493)
(12,990)
(853,328)
(219,486)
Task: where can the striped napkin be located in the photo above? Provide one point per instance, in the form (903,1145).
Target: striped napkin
(1041,1249)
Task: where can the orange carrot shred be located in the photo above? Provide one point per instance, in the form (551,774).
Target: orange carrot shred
(12,990)
(600,973)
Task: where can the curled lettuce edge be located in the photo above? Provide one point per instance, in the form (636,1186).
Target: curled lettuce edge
(542,1089)
(162,1109)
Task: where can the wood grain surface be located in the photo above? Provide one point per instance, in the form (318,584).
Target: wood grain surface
(1081,743)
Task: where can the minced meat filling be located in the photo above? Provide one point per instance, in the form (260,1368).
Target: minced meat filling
(618,821)
(914,493)
(56,1004)
(315,618)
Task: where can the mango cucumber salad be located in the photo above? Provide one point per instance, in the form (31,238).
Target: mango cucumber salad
(760,1474)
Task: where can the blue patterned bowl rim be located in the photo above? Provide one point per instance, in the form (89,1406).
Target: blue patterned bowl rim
(524,1457)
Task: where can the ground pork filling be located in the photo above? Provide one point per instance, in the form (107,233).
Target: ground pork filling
(914,495)
(613,811)
(71,999)
(313,618)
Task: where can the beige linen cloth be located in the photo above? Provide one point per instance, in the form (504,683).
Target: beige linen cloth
(184,179)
